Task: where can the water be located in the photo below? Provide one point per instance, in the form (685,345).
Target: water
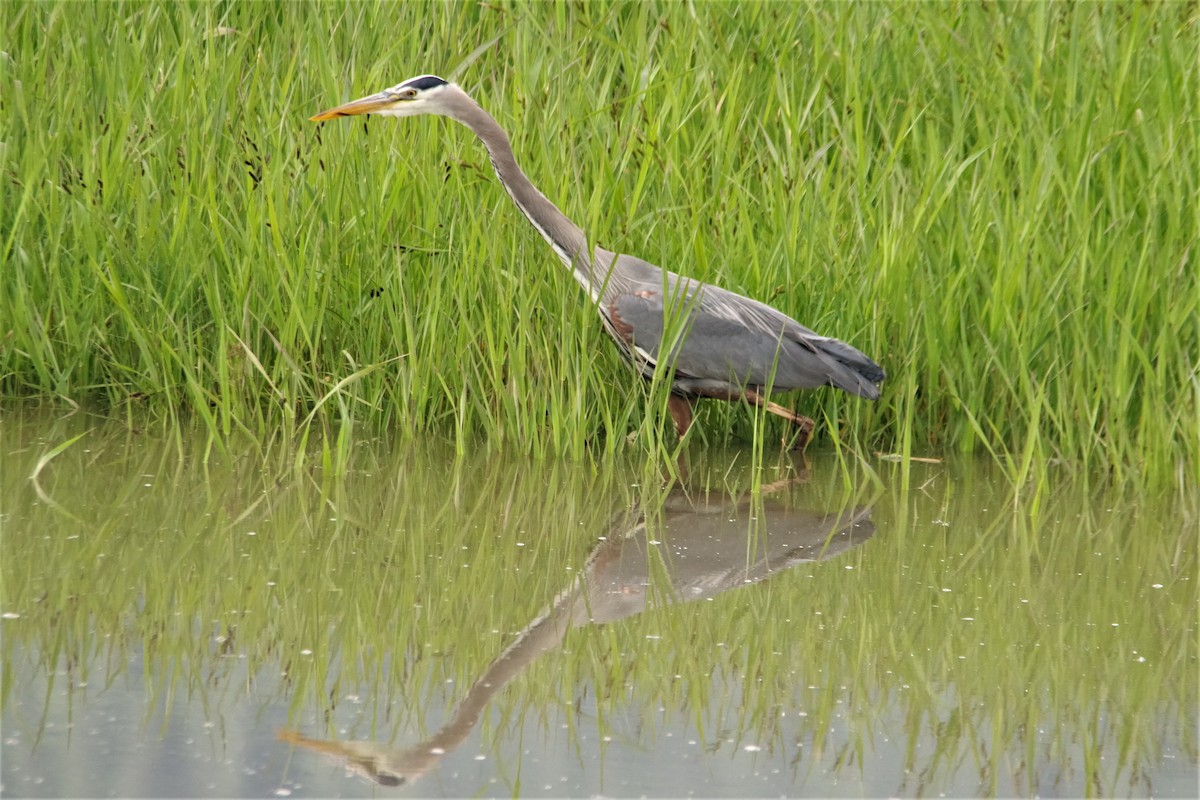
(180,621)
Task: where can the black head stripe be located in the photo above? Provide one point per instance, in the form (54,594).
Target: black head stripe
(424,82)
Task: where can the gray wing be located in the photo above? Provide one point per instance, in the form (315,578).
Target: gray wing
(724,338)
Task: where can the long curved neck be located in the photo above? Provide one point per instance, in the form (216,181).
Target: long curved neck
(564,236)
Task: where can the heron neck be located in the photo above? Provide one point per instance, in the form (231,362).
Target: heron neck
(564,236)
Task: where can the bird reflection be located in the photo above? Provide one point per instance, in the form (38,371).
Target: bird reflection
(705,546)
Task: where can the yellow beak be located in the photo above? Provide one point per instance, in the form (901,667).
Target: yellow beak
(363,105)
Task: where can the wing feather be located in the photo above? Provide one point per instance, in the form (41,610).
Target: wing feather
(725,337)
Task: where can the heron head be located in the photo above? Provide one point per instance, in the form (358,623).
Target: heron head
(421,95)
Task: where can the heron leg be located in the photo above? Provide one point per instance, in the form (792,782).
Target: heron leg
(783,483)
(805,424)
(681,413)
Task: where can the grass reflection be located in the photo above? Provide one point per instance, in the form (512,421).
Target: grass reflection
(986,639)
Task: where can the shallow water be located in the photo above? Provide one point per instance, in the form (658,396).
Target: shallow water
(178,621)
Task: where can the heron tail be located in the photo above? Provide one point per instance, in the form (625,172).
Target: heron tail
(859,375)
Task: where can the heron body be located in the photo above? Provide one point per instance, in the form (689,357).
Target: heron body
(720,344)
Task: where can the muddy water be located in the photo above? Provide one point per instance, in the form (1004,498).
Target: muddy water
(183,621)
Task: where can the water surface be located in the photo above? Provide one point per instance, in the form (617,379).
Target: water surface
(180,621)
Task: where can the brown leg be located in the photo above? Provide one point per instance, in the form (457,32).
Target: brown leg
(805,424)
(681,412)
(801,476)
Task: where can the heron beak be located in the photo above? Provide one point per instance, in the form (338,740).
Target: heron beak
(363,105)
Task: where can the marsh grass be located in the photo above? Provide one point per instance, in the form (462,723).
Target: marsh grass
(997,202)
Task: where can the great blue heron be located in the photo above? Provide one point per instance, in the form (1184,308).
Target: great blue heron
(726,346)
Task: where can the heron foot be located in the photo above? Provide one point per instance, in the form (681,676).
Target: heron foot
(681,413)
(805,424)
(806,427)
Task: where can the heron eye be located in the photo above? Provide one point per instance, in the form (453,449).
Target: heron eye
(408,94)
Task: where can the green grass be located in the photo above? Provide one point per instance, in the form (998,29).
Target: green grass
(997,202)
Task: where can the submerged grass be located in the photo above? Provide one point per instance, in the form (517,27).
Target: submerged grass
(997,202)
